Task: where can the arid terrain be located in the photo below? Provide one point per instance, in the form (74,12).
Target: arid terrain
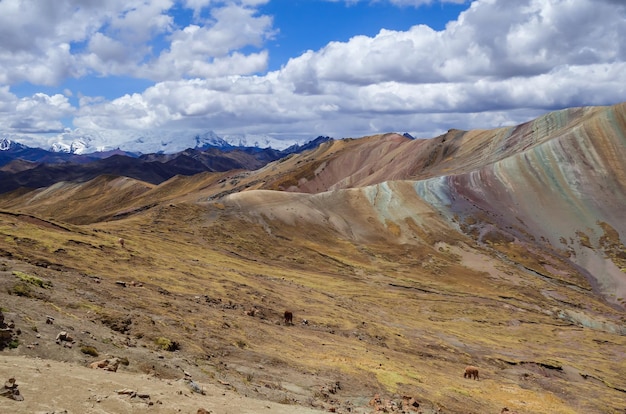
(402,261)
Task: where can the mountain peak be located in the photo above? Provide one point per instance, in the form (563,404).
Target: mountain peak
(8,144)
(85,141)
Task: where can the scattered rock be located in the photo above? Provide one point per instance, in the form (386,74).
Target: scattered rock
(109,364)
(410,403)
(407,405)
(327,390)
(10,390)
(7,335)
(126,391)
(133,393)
(64,337)
(194,386)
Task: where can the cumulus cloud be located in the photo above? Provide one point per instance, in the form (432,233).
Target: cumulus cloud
(44,42)
(491,39)
(499,63)
(39,113)
(498,55)
(210,50)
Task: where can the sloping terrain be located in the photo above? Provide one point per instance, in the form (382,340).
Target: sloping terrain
(153,169)
(24,167)
(402,261)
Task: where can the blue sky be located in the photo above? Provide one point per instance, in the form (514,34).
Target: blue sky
(302,68)
(310,24)
(300,25)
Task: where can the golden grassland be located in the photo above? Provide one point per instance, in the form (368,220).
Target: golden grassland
(383,318)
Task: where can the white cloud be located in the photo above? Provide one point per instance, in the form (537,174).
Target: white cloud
(491,39)
(106,49)
(44,42)
(500,63)
(39,113)
(210,50)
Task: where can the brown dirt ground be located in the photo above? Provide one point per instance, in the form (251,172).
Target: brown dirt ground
(52,386)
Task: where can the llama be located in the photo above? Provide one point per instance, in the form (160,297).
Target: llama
(471,372)
(288,318)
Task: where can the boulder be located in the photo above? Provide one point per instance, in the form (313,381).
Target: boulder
(10,390)
(109,364)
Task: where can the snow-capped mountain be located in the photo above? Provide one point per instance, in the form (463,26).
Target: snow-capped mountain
(86,141)
(260,141)
(7,143)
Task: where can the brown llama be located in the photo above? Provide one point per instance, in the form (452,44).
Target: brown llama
(471,372)
(288,318)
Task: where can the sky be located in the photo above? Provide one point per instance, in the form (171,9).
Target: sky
(303,68)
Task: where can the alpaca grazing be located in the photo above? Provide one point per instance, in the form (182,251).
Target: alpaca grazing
(288,318)
(121,242)
(471,372)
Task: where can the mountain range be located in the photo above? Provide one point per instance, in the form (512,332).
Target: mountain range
(22,166)
(87,141)
(401,260)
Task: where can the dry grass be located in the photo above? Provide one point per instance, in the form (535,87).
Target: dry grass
(380,318)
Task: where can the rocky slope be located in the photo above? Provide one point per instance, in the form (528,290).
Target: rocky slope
(402,261)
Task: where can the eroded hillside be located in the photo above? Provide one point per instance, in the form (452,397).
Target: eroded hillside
(402,261)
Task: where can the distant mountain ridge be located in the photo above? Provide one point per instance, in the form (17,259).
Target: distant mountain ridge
(23,166)
(87,141)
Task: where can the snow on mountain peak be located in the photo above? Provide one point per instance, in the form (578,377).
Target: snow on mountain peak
(85,140)
(5,144)
(259,141)
(8,142)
